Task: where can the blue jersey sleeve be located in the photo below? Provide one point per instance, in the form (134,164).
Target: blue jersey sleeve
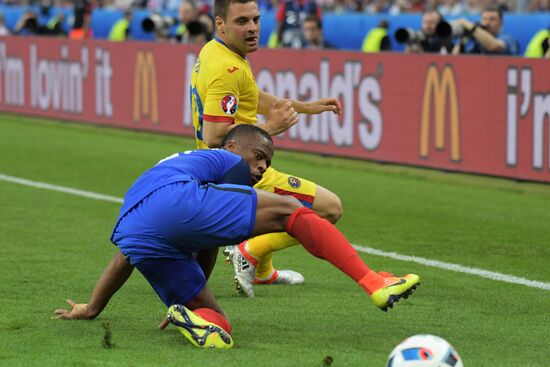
(206,166)
(213,166)
(239,174)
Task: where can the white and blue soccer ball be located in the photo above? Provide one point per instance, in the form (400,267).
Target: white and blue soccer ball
(424,350)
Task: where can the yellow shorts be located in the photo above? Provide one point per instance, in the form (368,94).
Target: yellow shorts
(284,184)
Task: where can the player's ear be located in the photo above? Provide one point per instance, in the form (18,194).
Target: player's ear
(220,26)
(231,146)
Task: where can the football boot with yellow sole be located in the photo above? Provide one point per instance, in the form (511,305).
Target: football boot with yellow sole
(394,289)
(198,331)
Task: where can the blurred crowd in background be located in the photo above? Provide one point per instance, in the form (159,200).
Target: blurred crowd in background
(299,23)
(392,7)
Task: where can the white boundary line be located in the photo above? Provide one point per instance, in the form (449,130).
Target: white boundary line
(393,255)
(458,268)
(66,190)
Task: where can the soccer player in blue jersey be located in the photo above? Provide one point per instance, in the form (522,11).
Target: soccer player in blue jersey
(177,214)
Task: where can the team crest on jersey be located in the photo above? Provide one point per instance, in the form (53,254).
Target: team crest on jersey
(229,104)
(294,182)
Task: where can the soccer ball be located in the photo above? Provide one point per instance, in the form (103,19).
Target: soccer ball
(424,350)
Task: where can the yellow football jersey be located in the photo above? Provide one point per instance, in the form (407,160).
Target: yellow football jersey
(284,184)
(223,89)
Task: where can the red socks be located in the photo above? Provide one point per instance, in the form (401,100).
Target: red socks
(212,316)
(323,240)
(246,254)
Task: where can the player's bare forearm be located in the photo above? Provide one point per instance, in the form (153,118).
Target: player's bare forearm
(266,101)
(113,277)
(214,132)
(318,106)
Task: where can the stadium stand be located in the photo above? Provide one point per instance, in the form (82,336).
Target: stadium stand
(353,24)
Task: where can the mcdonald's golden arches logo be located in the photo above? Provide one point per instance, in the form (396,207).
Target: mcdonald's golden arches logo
(145,87)
(440,89)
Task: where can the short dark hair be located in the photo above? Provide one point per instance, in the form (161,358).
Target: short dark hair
(245,132)
(221,6)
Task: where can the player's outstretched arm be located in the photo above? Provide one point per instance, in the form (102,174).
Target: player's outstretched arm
(114,276)
(319,106)
(266,101)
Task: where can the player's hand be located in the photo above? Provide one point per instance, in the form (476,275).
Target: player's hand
(324,105)
(77,311)
(281,117)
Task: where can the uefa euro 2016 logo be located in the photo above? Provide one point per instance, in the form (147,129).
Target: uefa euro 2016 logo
(229,104)
(440,88)
(145,87)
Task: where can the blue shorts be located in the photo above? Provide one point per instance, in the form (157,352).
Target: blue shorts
(185,217)
(176,281)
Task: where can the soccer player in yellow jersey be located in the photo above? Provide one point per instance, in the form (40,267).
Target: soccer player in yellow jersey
(224,94)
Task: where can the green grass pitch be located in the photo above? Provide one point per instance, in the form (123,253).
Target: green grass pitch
(54,246)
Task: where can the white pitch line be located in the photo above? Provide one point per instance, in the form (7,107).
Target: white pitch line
(67,190)
(393,255)
(458,268)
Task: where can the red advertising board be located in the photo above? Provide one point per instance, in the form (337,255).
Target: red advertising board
(487,115)
(133,85)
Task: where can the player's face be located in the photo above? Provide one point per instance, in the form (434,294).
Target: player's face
(257,153)
(240,31)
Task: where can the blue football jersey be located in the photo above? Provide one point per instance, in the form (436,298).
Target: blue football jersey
(216,166)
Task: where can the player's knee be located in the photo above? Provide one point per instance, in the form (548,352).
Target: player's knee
(335,210)
(331,209)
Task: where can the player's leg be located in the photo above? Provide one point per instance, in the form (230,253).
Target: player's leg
(259,250)
(263,247)
(325,203)
(319,237)
(160,235)
(192,308)
(276,213)
(202,321)
(256,252)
